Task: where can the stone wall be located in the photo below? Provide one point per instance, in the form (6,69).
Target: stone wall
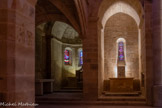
(121,26)
(17,39)
(69,71)
(56,63)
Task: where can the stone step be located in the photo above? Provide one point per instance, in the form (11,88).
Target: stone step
(121,98)
(60,96)
(57,99)
(70,90)
(77,98)
(135,103)
(122,94)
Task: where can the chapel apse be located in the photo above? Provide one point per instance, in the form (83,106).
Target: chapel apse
(118,26)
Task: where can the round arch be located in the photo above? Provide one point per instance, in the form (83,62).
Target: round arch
(118,7)
(104,13)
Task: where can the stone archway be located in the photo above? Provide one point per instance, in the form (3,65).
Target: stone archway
(104,14)
(126,28)
(18,50)
(65,16)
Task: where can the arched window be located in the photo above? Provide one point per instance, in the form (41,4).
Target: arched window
(80,58)
(121,57)
(121,51)
(67,57)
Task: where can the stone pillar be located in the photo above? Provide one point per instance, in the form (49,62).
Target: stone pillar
(157,52)
(17,51)
(48,29)
(90,67)
(48,56)
(149,51)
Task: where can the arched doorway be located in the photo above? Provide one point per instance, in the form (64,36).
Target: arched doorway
(58,44)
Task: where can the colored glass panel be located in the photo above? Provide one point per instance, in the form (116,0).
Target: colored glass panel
(67,57)
(81,58)
(121,51)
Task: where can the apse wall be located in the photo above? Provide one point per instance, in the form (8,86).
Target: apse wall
(60,71)
(56,63)
(118,26)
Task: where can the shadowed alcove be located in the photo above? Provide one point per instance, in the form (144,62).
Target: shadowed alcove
(65,59)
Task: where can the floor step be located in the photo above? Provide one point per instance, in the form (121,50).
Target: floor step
(77,99)
(60,96)
(69,90)
(139,103)
(121,98)
(121,94)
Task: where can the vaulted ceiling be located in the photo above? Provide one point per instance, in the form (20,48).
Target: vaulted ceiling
(60,31)
(58,10)
(76,12)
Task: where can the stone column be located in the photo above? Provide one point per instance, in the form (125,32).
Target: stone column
(48,29)
(90,67)
(48,56)
(157,52)
(17,51)
(149,51)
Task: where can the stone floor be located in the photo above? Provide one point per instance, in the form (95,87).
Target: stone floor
(91,106)
(61,95)
(49,100)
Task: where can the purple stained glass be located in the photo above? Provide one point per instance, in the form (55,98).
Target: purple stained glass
(121,51)
(66,57)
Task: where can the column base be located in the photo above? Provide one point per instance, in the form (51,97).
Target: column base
(157,95)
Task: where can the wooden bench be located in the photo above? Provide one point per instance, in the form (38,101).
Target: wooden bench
(43,86)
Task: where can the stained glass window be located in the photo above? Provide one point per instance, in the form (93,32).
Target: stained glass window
(67,58)
(81,57)
(121,51)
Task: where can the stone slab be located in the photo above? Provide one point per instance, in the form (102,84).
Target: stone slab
(121,84)
(44,86)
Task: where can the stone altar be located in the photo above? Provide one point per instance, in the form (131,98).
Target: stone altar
(121,84)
